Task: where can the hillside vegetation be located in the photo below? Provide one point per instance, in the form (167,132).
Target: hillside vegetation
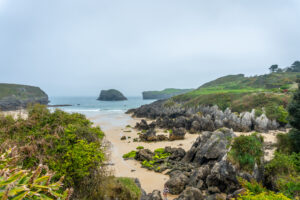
(242,93)
(20,91)
(164,94)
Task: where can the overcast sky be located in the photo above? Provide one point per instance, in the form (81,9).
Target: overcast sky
(78,47)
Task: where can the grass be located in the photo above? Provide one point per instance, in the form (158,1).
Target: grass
(131,186)
(20,91)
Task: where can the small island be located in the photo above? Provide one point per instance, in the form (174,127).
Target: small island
(111,95)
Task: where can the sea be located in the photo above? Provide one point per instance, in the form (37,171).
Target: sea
(110,111)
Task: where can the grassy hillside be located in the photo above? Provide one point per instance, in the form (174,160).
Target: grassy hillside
(164,94)
(20,91)
(242,93)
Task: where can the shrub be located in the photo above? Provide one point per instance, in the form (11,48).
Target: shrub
(246,151)
(67,143)
(255,191)
(129,155)
(278,113)
(131,186)
(16,183)
(284,143)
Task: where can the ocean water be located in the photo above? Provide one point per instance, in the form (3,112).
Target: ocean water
(92,107)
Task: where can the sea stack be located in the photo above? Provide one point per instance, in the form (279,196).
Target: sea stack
(111,95)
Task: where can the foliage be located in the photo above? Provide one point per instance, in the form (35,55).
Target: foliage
(16,183)
(284,143)
(255,191)
(129,155)
(140,147)
(294,111)
(131,186)
(277,112)
(246,151)
(67,143)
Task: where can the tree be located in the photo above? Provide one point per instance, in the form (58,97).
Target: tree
(273,68)
(294,111)
(295,66)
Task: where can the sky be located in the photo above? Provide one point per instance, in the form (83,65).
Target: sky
(79,47)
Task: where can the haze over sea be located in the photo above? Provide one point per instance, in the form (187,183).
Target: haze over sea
(91,107)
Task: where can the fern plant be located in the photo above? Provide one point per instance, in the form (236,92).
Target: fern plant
(18,184)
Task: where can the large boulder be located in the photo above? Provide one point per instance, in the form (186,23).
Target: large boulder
(223,176)
(143,125)
(190,193)
(144,154)
(176,153)
(111,95)
(209,146)
(176,184)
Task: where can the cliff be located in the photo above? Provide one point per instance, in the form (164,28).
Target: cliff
(111,95)
(164,94)
(14,96)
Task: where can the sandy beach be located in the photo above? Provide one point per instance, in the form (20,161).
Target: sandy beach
(116,125)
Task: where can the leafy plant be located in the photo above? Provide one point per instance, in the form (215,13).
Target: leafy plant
(129,155)
(246,151)
(16,183)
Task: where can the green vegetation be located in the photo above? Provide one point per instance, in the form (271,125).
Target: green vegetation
(246,151)
(240,93)
(166,93)
(135,191)
(154,164)
(140,147)
(67,143)
(16,183)
(20,91)
(294,111)
(129,155)
(255,191)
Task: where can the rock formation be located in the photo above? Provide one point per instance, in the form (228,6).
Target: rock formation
(111,95)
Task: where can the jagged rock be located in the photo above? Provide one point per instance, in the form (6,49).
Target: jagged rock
(195,127)
(144,154)
(176,153)
(150,135)
(177,134)
(143,125)
(180,122)
(261,123)
(155,195)
(209,146)
(223,175)
(111,95)
(198,175)
(176,184)
(190,193)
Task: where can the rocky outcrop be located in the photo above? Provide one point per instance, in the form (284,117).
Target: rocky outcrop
(190,193)
(177,134)
(111,95)
(164,94)
(203,118)
(155,195)
(14,96)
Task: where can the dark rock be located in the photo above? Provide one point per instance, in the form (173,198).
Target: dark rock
(111,95)
(155,195)
(190,193)
(223,175)
(144,154)
(150,135)
(142,125)
(177,134)
(209,146)
(177,183)
(176,153)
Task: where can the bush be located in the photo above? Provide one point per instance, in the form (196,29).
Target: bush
(255,191)
(246,151)
(284,143)
(278,113)
(67,143)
